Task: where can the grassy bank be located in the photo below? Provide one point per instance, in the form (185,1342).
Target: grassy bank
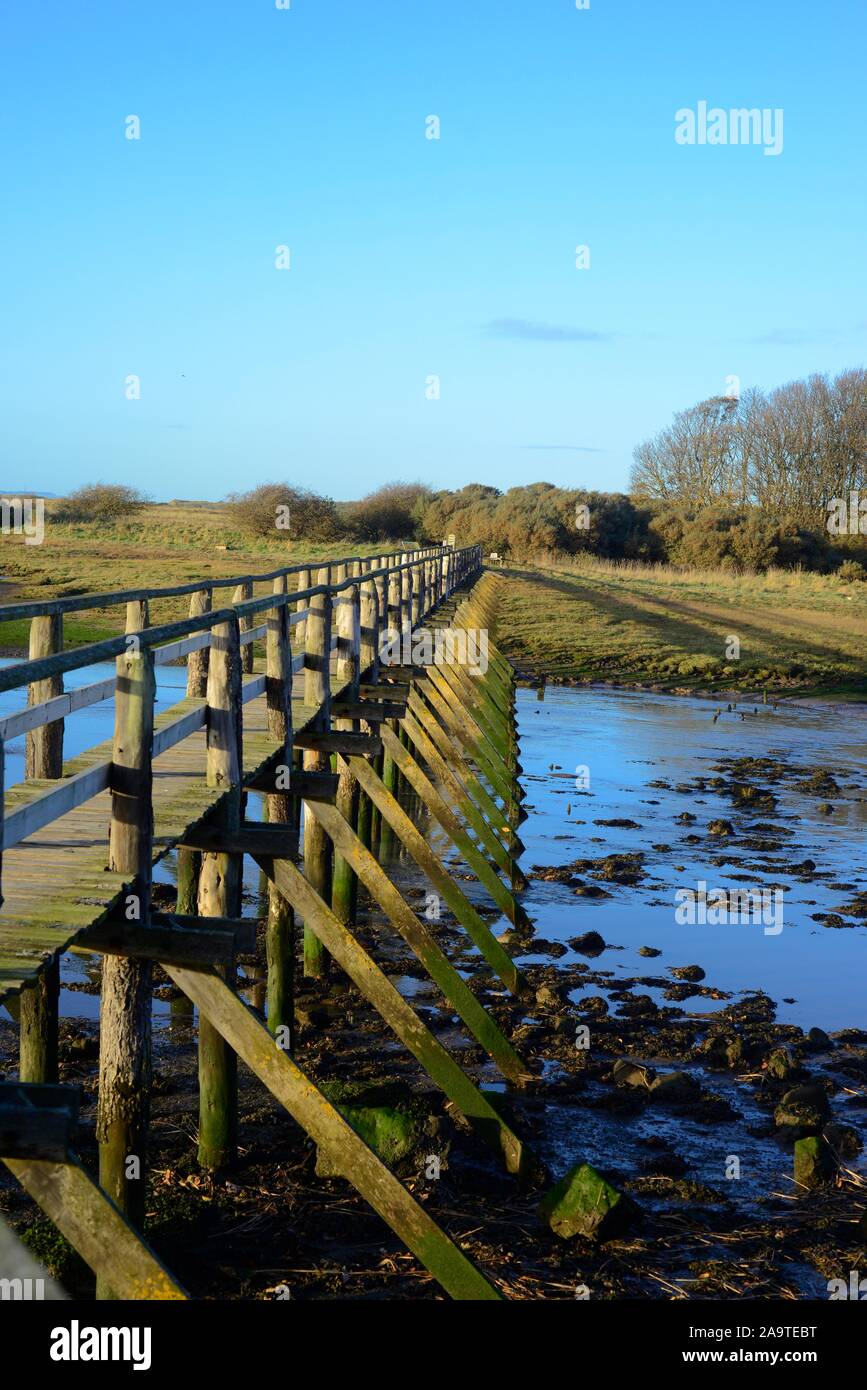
(799,633)
(172,543)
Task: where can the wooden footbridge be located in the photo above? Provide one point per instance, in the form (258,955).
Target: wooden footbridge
(351,695)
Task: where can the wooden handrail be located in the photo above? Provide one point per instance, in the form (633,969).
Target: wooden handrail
(28,672)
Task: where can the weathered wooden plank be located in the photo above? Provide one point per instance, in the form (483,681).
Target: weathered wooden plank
(125,999)
(29,1133)
(421,942)
(477,929)
(279,841)
(337,742)
(182,945)
(96,1227)
(311,786)
(401,1017)
(345,1150)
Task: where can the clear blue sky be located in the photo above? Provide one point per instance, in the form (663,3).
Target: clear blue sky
(410,257)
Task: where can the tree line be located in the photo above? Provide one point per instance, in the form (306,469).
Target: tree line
(788,452)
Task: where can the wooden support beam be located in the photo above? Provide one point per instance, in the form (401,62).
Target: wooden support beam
(29,1133)
(125,1001)
(372,710)
(277,840)
(317,692)
(309,786)
(384,690)
(422,943)
(345,1150)
(336,742)
(97,1228)
(449,822)
(446,777)
(403,1020)
(43,758)
(344,885)
(477,929)
(53,1097)
(184,945)
(220,891)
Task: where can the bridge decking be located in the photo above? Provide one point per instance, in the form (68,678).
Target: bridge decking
(56,883)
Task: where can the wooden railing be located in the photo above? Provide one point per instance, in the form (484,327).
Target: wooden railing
(400,586)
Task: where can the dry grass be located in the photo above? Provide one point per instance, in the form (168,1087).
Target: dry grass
(165,544)
(598,620)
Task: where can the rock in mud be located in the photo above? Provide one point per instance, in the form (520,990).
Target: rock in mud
(548,999)
(637,1006)
(821,783)
(675,1088)
(593,1004)
(391,1134)
(781,1065)
(548,948)
(589,943)
(814,1162)
(626,1073)
(584,1204)
(804,1108)
(844,1141)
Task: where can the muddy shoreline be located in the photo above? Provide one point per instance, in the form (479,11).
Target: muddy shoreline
(676,1075)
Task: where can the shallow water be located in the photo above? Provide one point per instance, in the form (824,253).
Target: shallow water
(627,740)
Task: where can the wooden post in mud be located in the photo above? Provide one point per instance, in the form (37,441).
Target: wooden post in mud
(344,885)
(280,807)
(43,758)
(368,662)
(125,1003)
(317,691)
(220,892)
(189,860)
(388,774)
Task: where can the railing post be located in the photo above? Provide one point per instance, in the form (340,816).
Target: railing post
(197,662)
(220,891)
(190,860)
(417,573)
(368,661)
(242,592)
(280,809)
(344,885)
(43,757)
(317,691)
(125,1004)
(302,603)
(369,630)
(393,609)
(405,594)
